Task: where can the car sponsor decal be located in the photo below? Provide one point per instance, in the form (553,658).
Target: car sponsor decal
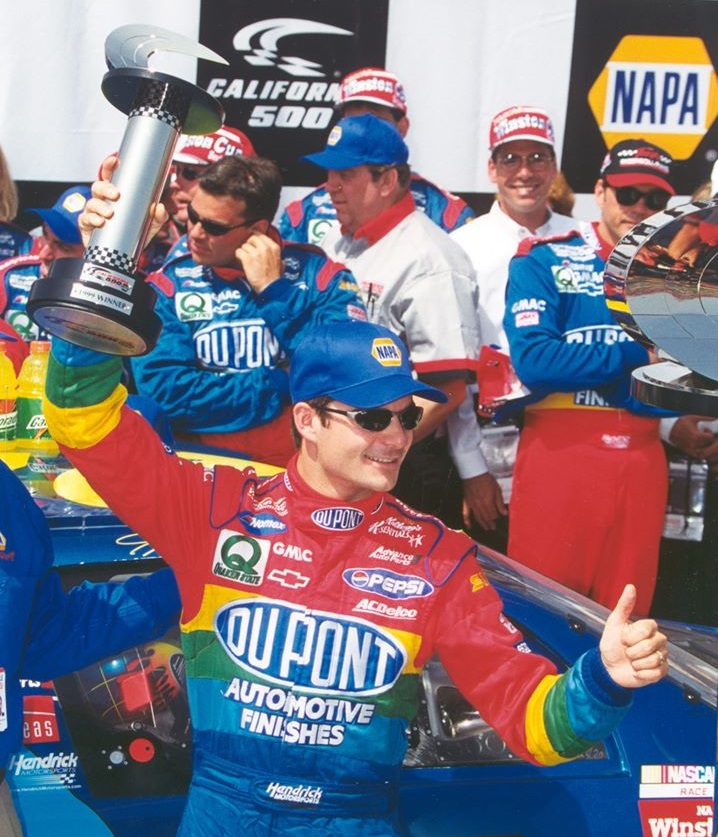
(676,800)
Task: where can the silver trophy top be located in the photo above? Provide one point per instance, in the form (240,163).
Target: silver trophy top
(132,46)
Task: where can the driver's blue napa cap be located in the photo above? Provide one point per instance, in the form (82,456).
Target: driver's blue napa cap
(361,140)
(358,363)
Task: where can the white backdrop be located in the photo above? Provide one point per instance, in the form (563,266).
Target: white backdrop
(460,61)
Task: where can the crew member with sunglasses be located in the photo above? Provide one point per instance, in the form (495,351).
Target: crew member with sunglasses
(590,483)
(236,303)
(313,598)
(192,156)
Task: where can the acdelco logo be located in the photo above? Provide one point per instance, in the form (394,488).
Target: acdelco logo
(388,584)
(338,518)
(315,652)
(661,88)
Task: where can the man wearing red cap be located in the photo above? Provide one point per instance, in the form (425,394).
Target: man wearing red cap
(376,91)
(522,166)
(194,153)
(590,481)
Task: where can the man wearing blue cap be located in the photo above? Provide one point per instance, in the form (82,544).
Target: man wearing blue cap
(417,282)
(60,239)
(313,598)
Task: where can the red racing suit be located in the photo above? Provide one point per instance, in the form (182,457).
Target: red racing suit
(306,623)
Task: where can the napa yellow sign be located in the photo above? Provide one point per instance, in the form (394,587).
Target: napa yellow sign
(660,88)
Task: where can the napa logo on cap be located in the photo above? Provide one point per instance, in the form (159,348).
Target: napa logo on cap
(658,87)
(385,350)
(74,202)
(334,135)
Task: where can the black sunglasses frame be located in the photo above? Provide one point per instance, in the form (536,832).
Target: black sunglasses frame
(409,417)
(656,199)
(213,228)
(194,171)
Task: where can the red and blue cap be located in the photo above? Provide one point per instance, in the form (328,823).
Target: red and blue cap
(633,162)
(358,363)
(361,140)
(63,216)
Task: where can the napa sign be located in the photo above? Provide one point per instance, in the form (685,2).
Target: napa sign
(661,88)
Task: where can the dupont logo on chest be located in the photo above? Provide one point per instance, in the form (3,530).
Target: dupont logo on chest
(338,518)
(388,584)
(309,652)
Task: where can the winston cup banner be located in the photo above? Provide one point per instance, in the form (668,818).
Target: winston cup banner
(603,69)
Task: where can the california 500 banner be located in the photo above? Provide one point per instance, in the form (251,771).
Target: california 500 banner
(603,69)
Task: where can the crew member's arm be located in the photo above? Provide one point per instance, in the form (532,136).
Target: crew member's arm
(70,630)
(543,359)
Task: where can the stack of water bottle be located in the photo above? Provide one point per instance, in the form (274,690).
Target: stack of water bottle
(22,424)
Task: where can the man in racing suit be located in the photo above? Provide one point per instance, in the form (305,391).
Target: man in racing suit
(590,459)
(312,599)
(235,306)
(45,632)
(371,90)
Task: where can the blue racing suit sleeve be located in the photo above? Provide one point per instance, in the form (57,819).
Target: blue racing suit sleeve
(544,359)
(291,310)
(91,621)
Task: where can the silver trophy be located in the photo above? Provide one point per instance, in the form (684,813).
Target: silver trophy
(100,301)
(661,283)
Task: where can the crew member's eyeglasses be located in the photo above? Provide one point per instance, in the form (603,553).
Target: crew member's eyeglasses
(212,227)
(189,172)
(380,418)
(536,161)
(629,196)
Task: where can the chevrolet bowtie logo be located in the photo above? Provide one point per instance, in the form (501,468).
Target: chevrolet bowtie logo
(289,578)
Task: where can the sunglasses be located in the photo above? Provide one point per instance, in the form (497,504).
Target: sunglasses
(212,227)
(629,196)
(536,161)
(189,172)
(380,418)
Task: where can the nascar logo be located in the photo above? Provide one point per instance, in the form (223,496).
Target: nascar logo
(322,652)
(388,584)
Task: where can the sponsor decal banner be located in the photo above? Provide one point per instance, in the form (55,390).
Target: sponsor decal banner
(676,800)
(633,76)
(676,818)
(286,60)
(39,719)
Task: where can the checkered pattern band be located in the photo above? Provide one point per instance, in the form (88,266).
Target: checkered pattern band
(161,101)
(111,258)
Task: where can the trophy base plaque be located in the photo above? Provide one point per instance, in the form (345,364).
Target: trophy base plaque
(674,387)
(96,307)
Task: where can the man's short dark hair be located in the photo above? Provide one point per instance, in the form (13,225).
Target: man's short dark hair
(318,402)
(254,180)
